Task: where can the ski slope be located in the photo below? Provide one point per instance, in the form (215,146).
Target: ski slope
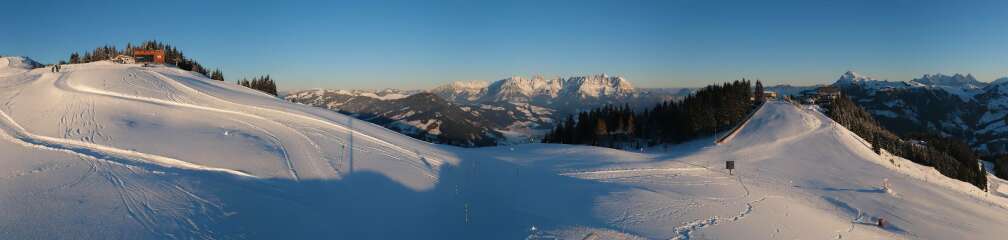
(103,150)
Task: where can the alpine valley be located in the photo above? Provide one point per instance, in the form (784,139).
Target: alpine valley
(483,113)
(949,105)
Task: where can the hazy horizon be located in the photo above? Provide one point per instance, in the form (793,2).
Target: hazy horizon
(420,45)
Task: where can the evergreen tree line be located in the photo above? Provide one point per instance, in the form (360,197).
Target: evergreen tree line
(217,75)
(951,157)
(707,111)
(601,126)
(261,83)
(172,56)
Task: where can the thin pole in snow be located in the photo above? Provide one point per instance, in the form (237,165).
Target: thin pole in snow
(467,213)
(350,126)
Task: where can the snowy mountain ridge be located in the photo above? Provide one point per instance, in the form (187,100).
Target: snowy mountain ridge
(16,64)
(462,91)
(520,89)
(383,94)
(955,80)
(951,105)
(999,81)
(514,109)
(964,86)
(851,78)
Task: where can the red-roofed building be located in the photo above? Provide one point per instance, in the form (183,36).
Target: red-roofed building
(149,56)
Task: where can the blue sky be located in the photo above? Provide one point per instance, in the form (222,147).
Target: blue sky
(420,44)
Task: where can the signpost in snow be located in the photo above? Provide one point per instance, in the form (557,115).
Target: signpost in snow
(730,165)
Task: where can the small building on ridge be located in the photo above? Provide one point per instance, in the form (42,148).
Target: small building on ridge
(149,56)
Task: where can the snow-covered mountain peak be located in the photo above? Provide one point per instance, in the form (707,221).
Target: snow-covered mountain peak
(601,85)
(513,88)
(1000,81)
(518,89)
(851,77)
(957,80)
(16,64)
(964,86)
(461,91)
(384,94)
(850,74)
(472,84)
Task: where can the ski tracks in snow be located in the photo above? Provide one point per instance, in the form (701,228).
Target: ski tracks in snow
(18,134)
(64,84)
(78,122)
(429,168)
(170,211)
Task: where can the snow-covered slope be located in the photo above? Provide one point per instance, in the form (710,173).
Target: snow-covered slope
(14,65)
(104,150)
(152,149)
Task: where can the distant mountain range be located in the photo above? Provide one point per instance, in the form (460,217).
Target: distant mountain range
(954,105)
(481,113)
(519,109)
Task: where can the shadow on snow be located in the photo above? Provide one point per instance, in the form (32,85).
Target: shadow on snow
(503,201)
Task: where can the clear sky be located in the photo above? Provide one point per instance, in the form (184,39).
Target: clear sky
(420,44)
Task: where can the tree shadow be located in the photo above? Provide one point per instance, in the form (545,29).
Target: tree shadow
(476,199)
(861,190)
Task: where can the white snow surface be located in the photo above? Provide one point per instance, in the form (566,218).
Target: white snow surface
(15,65)
(104,150)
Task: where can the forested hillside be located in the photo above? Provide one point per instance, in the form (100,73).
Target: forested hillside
(707,111)
(172,55)
(950,156)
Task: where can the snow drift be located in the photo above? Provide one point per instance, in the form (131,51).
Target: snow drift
(104,150)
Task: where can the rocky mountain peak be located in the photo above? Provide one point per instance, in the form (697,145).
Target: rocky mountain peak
(955,80)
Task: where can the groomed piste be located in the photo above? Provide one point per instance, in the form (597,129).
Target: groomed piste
(104,150)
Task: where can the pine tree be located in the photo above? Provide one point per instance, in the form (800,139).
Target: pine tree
(876,144)
(217,75)
(631,126)
(600,128)
(261,83)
